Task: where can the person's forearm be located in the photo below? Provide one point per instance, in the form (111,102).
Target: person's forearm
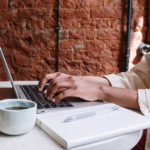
(95,79)
(123,97)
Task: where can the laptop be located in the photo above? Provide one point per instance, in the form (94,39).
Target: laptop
(30,92)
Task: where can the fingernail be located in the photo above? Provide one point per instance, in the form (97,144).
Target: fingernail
(53,100)
(39,88)
(45,91)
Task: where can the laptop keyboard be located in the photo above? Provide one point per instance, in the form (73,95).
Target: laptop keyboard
(31,93)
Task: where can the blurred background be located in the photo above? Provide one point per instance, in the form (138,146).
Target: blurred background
(91,40)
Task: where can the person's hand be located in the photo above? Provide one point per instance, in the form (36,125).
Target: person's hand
(49,78)
(73,87)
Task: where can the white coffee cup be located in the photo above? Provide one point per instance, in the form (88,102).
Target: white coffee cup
(15,122)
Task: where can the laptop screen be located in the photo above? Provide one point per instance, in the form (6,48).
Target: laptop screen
(8,72)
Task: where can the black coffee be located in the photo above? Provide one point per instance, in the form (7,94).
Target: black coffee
(16,108)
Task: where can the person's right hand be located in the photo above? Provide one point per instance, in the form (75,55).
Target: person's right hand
(49,77)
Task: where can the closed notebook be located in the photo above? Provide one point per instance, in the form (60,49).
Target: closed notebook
(93,129)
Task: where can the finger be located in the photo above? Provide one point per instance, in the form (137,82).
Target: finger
(61,83)
(57,92)
(64,94)
(45,79)
(60,90)
(45,91)
(57,75)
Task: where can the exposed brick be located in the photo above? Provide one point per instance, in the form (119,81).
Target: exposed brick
(53,14)
(116,24)
(71,65)
(4,4)
(26,35)
(64,55)
(74,72)
(79,47)
(67,14)
(28,13)
(68,44)
(21,61)
(38,63)
(82,34)
(31,73)
(103,24)
(115,45)
(53,54)
(43,53)
(73,4)
(107,67)
(14,43)
(106,57)
(43,35)
(91,67)
(16,3)
(51,63)
(137,12)
(23,14)
(63,34)
(3,42)
(38,23)
(50,24)
(92,36)
(93,4)
(27,50)
(138,3)
(109,35)
(18,24)
(148,35)
(106,12)
(94,45)
(134,46)
(7,14)
(45,3)
(88,24)
(136,36)
(4,25)
(29,3)
(70,24)
(74,14)
(51,45)
(8,53)
(83,14)
(115,3)
(87,55)
(118,56)
(138,24)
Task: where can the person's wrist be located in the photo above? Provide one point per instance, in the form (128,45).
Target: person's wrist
(79,77)
(102,92)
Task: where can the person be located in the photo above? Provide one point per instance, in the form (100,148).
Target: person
(128,89)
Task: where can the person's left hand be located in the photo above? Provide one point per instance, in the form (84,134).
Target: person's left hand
(74,87)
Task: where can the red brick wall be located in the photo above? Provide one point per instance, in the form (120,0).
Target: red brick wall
(92,36)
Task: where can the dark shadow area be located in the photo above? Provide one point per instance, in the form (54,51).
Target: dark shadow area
(7,93)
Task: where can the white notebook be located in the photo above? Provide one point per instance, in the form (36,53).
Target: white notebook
(93,129)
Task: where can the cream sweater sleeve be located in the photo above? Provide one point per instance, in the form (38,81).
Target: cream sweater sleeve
(138,78)
(144,101)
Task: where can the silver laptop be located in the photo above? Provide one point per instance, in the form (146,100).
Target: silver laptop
(30,92)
